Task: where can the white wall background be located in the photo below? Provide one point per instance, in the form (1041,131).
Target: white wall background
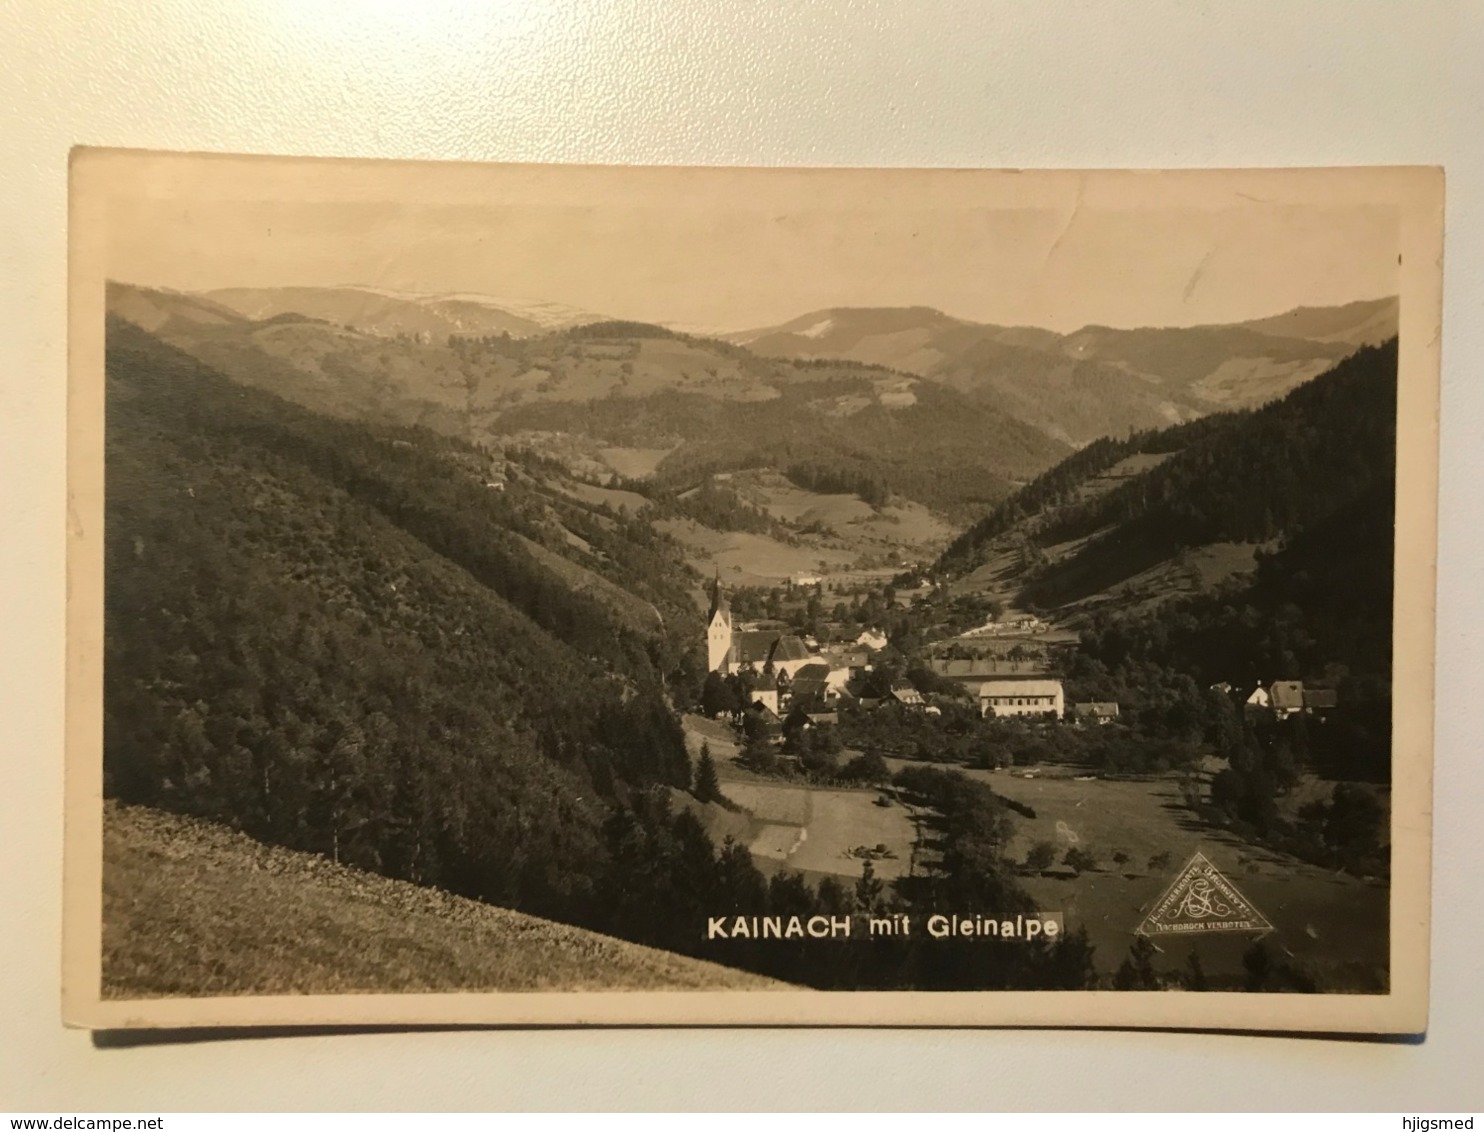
(837,82)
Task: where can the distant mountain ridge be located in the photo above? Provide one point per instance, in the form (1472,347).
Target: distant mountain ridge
(685,407)
(1096,381)
(946,412)
(387,312)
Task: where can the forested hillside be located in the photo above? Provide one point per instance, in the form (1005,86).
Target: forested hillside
(1248,477)
(336,638)
(339,643)
(1064,485)
(1258,477)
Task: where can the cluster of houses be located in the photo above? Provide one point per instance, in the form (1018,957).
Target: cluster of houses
(820,676)
(800,670)
(1282,698)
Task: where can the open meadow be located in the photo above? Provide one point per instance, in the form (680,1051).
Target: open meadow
(1325,921)
(815,830)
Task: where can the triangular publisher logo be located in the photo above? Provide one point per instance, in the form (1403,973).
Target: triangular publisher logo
(1202,900)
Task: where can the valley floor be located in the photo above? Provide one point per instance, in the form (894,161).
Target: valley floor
(195,909)
(1334,924)
(1331,924)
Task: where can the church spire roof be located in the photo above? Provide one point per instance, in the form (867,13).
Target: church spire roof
(719,603)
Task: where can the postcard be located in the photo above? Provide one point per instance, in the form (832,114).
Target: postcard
(509,594)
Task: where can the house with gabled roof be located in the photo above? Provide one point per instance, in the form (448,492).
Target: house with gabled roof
(764,697)
(1254,699)
(852,658)
(1100,712)
(907,695)
(761,715)
(1286,698)
(818,682)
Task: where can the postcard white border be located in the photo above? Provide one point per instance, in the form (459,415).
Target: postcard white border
(1417,194)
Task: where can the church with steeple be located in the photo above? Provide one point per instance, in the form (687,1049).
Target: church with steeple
(730,649)
(718,630)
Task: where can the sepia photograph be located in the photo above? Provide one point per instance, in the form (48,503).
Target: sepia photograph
(584,595)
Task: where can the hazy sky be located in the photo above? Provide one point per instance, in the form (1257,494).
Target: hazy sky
(698,265)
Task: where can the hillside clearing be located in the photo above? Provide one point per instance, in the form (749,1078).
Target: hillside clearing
(747,559)
(630,501)
(191,908)
(815,829)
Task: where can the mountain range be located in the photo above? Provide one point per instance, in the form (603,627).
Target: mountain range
(622,398)
(948,413)
(1097,381)
(388,313)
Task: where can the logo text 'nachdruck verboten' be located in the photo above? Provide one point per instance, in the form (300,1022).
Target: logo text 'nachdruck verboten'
(1202,900)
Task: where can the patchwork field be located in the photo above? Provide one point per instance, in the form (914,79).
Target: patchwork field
(809,829)
(834,534)
(815,830)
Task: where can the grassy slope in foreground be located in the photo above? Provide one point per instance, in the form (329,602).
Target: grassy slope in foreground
(191,908)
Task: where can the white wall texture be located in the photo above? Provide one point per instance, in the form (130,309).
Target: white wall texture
(836,82)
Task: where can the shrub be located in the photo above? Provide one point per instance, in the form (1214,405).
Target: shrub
(1080,859)
(1040,856)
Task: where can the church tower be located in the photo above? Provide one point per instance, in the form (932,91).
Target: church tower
(718,630)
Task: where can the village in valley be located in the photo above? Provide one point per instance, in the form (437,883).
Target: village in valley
(809,719)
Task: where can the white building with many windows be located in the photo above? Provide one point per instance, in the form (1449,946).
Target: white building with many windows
(1027,695)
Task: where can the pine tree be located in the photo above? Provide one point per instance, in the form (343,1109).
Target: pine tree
(1195,978)
(1137,971)
(707,787)
(868,890)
